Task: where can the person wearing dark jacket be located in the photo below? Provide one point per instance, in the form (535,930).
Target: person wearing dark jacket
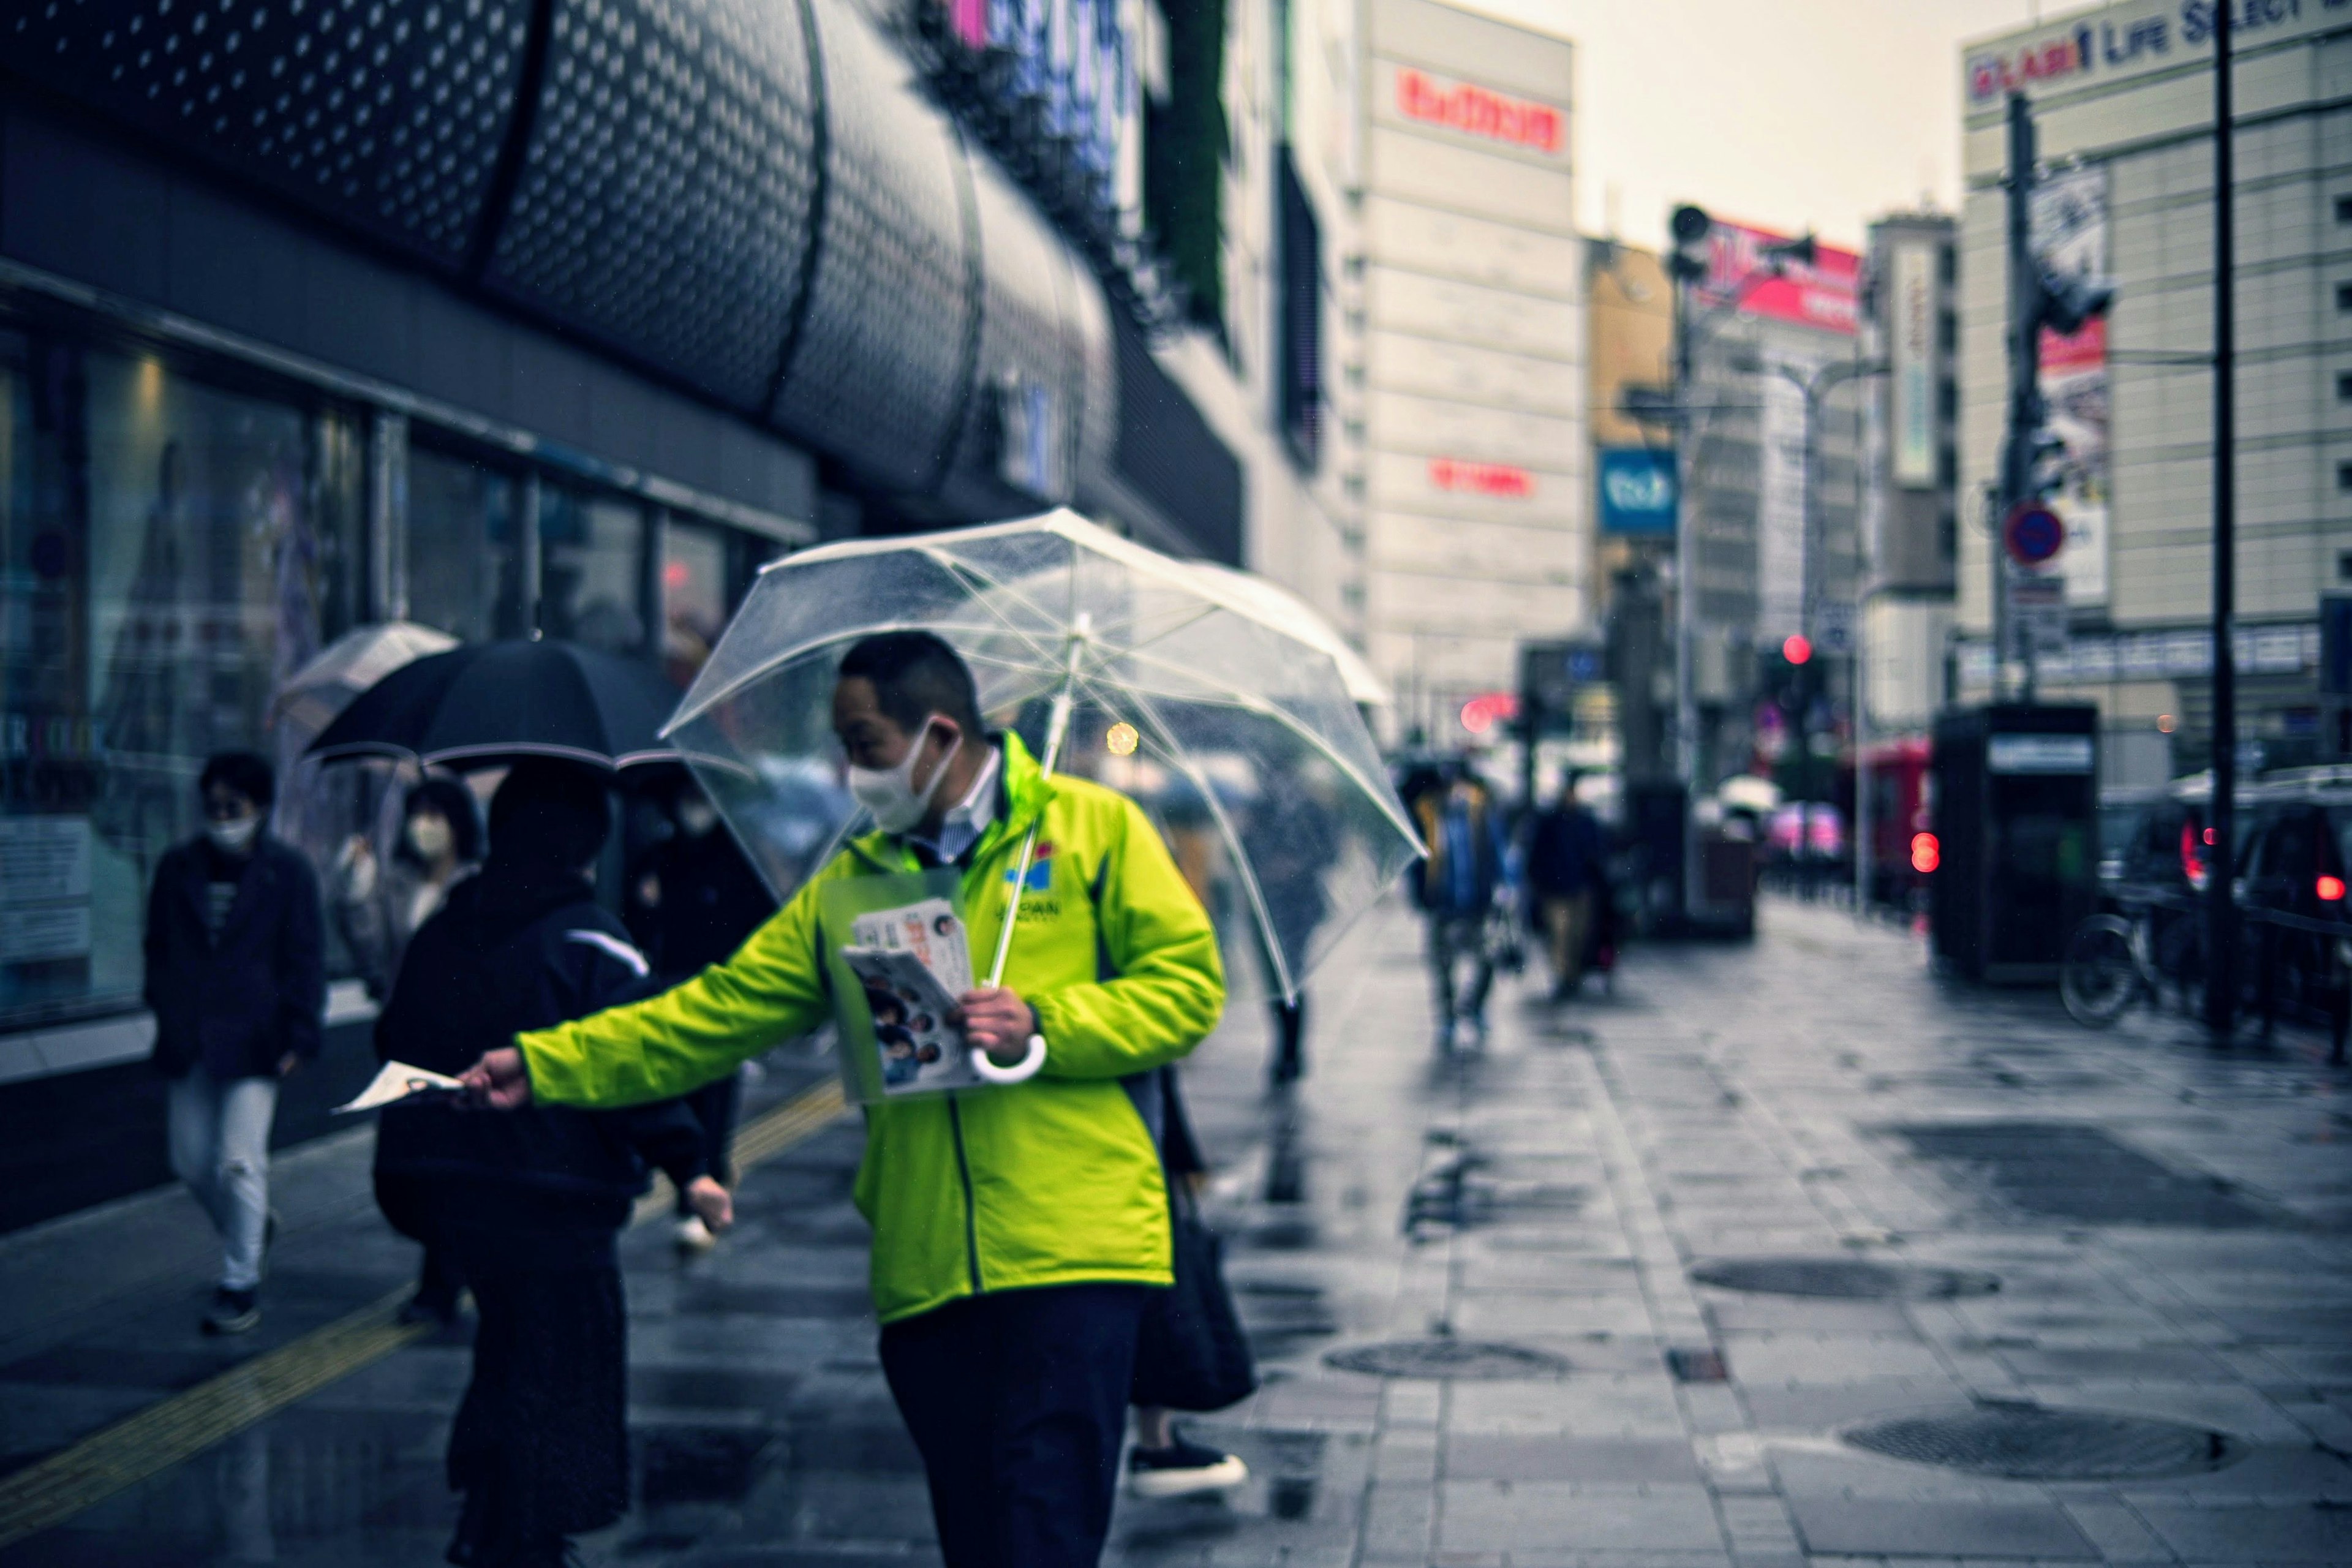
(1567,874)
(236,980)
(530,1204)
(692,901)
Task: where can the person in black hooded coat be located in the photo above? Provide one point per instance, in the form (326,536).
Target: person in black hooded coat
(530,1204)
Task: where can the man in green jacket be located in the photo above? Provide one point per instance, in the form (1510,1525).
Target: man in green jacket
(1018,1229)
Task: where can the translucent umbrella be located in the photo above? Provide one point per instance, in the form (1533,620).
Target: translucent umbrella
(1235,730)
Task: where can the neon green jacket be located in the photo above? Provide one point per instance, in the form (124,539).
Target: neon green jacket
(1050,1182)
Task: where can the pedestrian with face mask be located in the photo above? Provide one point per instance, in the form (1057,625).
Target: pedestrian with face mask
(693,899)
(380,906)
(1019,1230)
(236,980)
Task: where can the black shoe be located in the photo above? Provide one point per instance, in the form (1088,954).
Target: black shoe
(232,1313)
(1183,1469)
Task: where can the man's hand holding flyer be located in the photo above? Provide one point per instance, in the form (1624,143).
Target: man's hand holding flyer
(914,963)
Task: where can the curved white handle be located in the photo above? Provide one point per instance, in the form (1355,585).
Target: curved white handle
(1026,1068)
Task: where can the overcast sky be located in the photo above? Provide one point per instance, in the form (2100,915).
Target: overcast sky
(1783,114)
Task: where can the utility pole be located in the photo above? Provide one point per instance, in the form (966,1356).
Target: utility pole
(2220,891)
(2025,408)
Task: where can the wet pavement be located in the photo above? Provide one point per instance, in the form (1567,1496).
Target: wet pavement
(1777,1253)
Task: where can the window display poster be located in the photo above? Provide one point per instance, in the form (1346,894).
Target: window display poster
(43,888)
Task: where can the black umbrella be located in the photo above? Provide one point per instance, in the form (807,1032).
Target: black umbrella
(485,703)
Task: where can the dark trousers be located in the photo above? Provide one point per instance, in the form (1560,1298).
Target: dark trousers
(407,1203)
(1017,1401)
(541,1445)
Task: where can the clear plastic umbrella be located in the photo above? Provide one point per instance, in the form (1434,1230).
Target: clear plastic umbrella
(1236,732)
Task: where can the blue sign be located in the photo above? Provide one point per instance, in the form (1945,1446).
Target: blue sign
(1637,490)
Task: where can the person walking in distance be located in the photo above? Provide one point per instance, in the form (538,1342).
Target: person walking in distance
(1455,887)
(528,1205)
(1018,1229)
(692,901)
(236,980)
(1566,875)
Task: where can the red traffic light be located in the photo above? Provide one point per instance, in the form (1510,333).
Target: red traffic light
(2331,889)
(1926,854)
(1798,649)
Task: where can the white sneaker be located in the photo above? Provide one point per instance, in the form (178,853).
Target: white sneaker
(1183,1469)
(693,1236)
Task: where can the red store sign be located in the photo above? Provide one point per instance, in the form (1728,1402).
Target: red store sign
(1481,479)
(1478,112)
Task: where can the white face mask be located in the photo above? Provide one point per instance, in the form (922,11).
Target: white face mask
(696,816)
(430,835)
(889,792)
(234,836)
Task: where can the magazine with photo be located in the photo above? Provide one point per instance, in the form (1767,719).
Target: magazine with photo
(913,963)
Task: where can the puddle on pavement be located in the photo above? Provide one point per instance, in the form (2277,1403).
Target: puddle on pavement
(1460,1187)
(2067,1170)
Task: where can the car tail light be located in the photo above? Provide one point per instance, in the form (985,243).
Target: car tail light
(1926,854)
(2331,889)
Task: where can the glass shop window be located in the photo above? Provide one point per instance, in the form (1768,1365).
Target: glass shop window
(170,552)
(464,574)
(592,569)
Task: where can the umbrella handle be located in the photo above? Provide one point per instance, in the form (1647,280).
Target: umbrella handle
(1020,1071)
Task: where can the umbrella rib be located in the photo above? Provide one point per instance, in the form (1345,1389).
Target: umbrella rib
(1242,867)
(1235,697)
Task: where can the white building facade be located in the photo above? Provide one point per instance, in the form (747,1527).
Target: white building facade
(1464,354)
(2123,96)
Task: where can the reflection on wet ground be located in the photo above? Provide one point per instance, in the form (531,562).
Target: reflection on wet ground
(1473,1288)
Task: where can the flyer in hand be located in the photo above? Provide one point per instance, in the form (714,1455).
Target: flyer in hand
(913,961)
(397,1083)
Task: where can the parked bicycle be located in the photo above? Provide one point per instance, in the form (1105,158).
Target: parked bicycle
(2115,960)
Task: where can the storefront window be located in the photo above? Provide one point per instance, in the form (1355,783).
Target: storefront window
(592,569)
(170,552)
(695,584)
(464,574)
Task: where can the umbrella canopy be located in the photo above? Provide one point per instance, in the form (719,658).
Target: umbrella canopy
(324,688)
(1115,662)
(483,703)
(1278,608)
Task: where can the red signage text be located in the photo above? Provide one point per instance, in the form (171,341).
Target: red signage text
(1476,112)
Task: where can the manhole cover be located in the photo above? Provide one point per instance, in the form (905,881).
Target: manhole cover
(1853,1278)
(1456,1359)
(2030,1442)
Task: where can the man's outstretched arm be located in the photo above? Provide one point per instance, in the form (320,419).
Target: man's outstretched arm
(771,990)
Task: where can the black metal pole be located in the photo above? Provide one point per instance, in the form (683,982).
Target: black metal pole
(2220,907)
(2025,372)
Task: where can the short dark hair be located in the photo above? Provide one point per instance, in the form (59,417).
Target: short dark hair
(916,675)
(457,807)
(247,773)
(550,811)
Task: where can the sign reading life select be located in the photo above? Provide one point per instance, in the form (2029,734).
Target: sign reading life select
(1637,490)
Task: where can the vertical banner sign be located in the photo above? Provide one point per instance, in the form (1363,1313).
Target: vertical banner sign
(2070,235)
(1780,506)
(1911,353)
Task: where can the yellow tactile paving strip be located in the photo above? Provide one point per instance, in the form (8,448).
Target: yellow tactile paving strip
(163,1434)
